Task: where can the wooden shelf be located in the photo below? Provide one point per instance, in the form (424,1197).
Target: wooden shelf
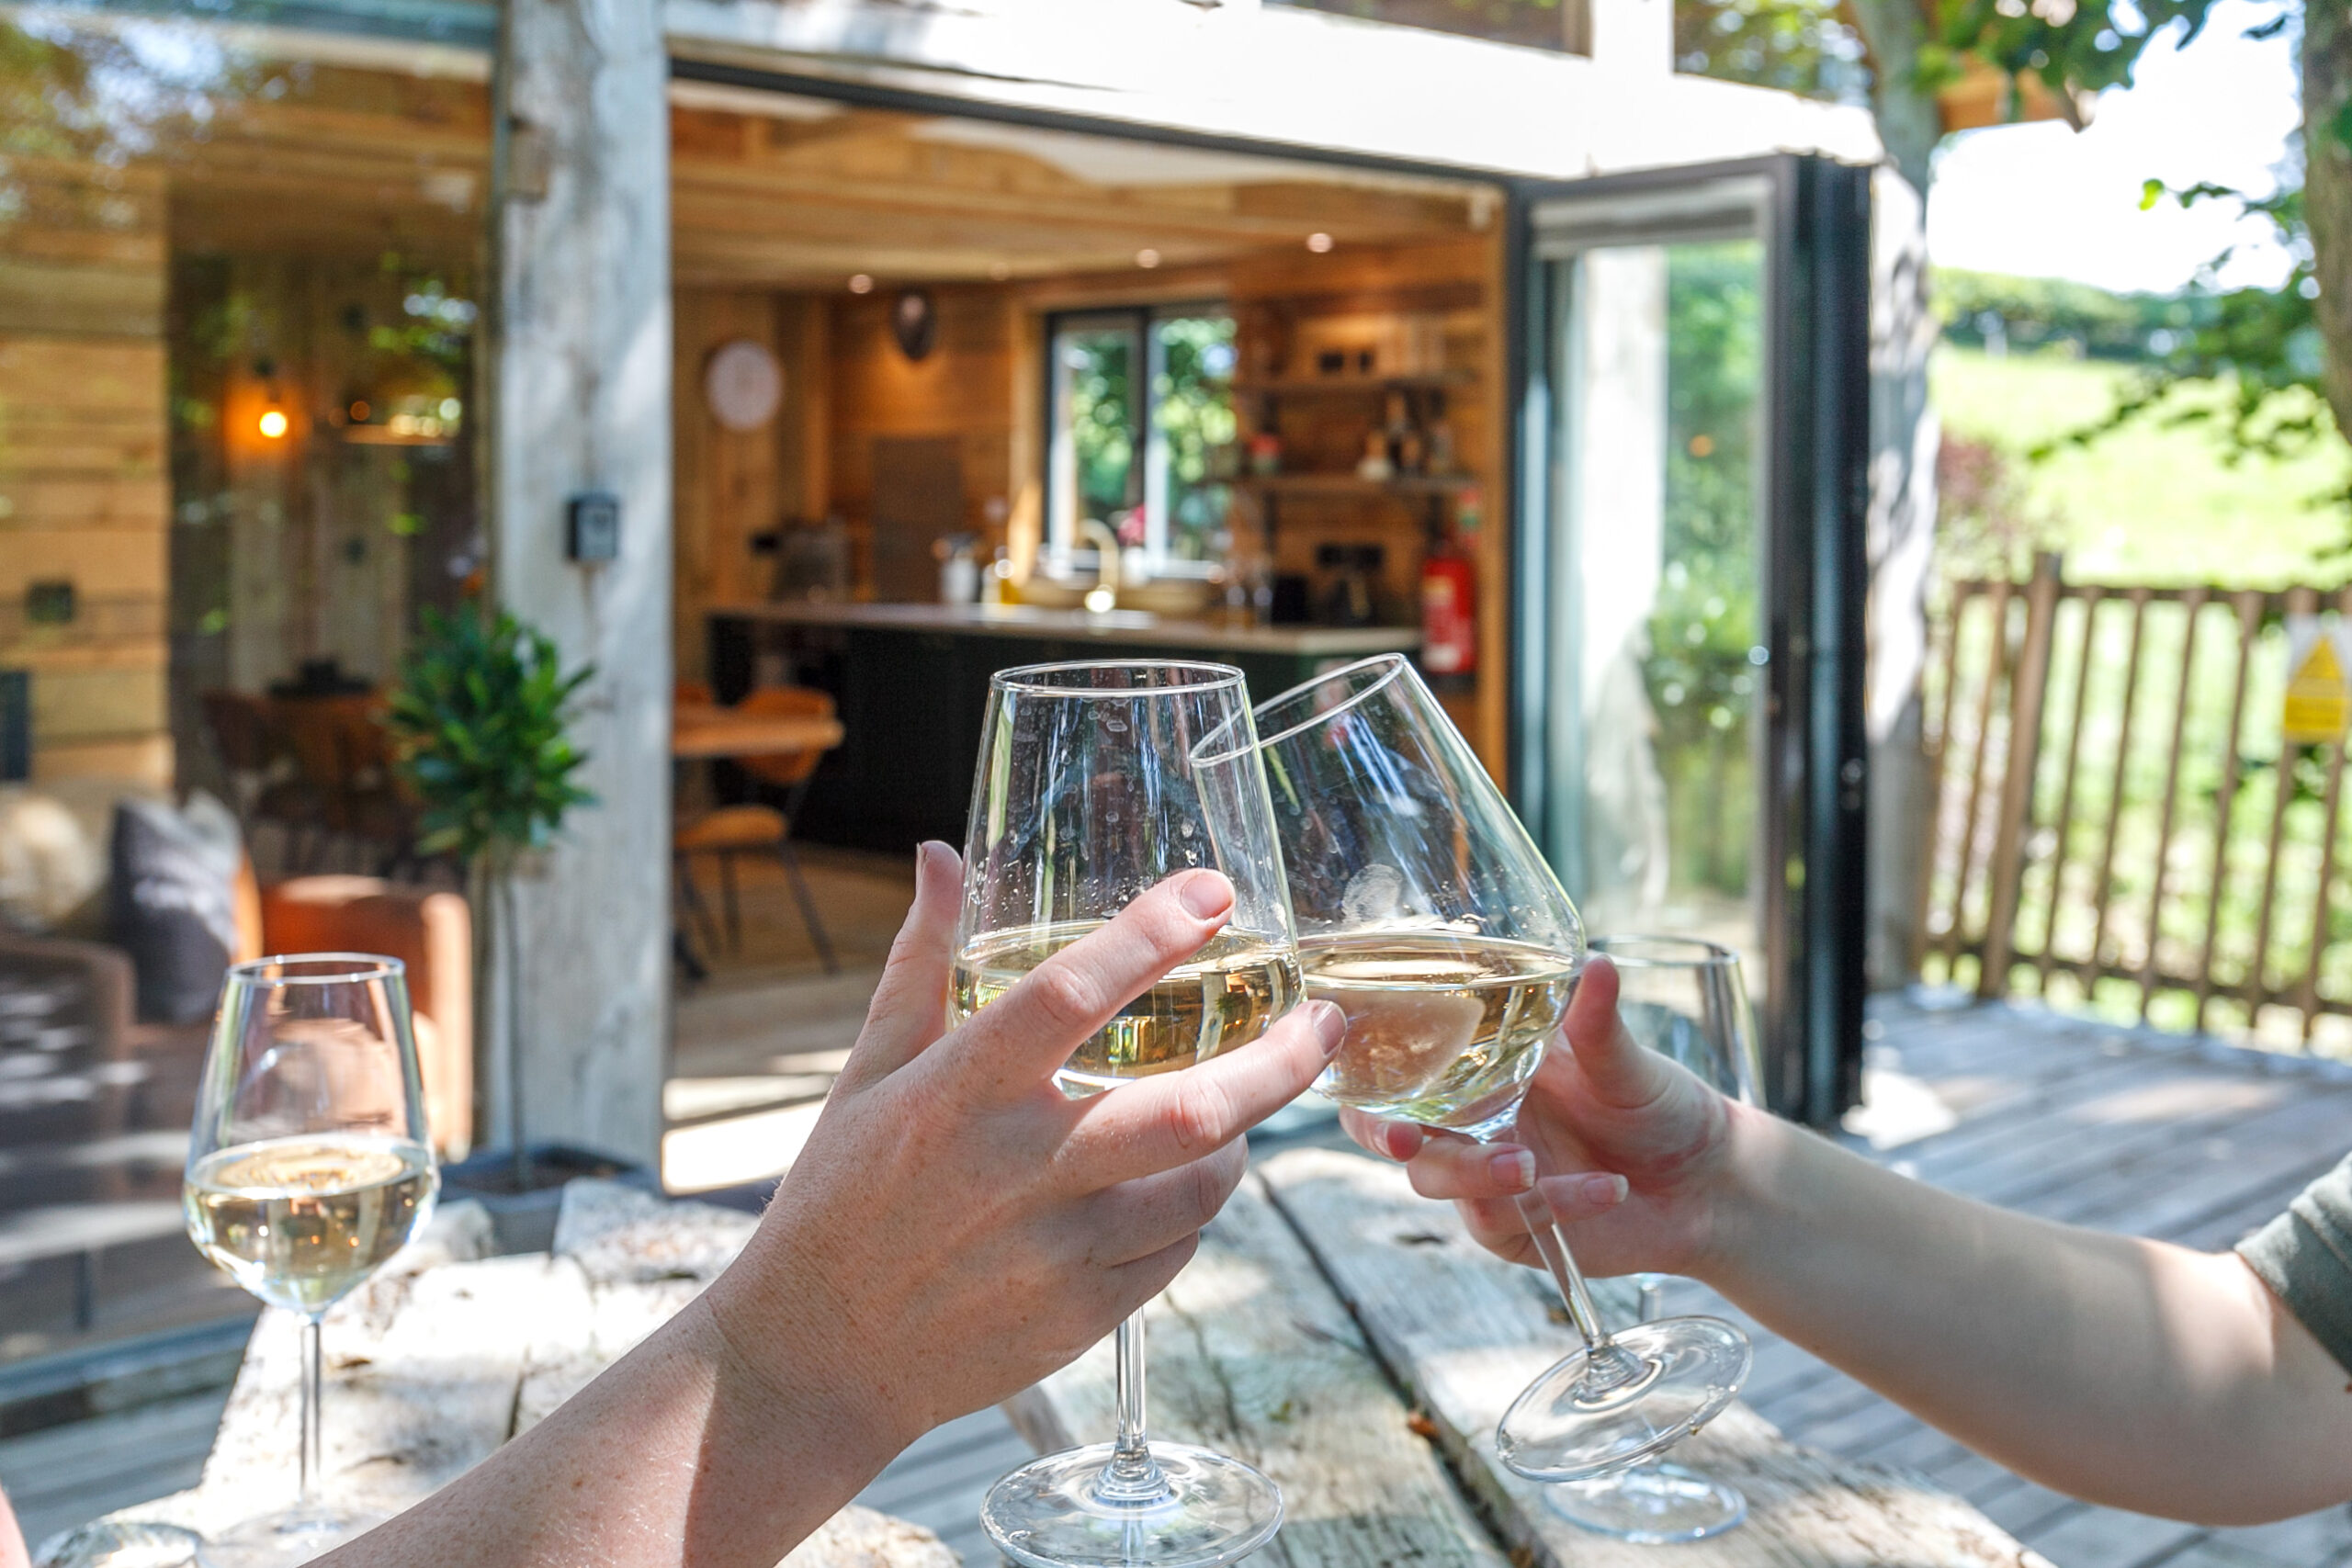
(1342,386)
(1355,484)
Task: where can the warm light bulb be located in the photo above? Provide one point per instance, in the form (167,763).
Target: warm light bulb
(273,425)
(1318,242)
(1100,600)
(861,284)
(1147,258)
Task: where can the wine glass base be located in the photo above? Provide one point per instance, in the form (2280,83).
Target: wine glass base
(101,1544)
(1206,1511)
(1594,1412)
(1651,1505)
(282,1540)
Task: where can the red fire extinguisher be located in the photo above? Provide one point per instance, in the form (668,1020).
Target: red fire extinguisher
(1449,612)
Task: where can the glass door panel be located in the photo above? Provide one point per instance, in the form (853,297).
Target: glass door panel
(1660,476)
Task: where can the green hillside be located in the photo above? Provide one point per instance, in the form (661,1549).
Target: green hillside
(2146,503)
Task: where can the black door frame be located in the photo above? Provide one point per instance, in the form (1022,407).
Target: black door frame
(1813,218)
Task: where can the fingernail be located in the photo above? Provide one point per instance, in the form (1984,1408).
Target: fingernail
(1206,895)
(1401,1139)
(1514,1170)
(1330,1026)
(1585,1192)
(923,852)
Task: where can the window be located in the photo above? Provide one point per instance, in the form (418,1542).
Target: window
(1138,400)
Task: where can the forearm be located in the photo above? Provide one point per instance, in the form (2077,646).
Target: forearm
(2127,1371)
(675,1454)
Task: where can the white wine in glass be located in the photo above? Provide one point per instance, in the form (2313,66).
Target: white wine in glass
(1426,912)
(1085,799)
(1227,995)
(309,1167)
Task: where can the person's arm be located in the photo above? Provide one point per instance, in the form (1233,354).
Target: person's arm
(11,1540)
(2126,1372)
(954,1229)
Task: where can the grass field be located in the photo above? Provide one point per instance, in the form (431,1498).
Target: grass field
(2147,504)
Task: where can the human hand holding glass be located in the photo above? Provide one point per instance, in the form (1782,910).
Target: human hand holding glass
(1683,999)
(308,1168)
(1427,915)
(1085,799)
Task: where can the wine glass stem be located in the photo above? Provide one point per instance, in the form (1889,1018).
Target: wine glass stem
(313,1450)
(1582,1315)
(1131,1477)
(1652,1293)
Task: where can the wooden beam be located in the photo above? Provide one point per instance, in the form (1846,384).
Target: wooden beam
(579,348)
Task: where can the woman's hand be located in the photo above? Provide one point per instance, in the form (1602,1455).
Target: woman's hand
(956,1228)
(1633,1150)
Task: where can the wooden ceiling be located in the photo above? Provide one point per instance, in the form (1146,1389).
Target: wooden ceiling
(804,195)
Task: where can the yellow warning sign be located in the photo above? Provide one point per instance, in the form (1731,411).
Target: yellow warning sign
(2318,702)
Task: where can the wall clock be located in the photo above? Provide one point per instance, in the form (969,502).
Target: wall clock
(742,384)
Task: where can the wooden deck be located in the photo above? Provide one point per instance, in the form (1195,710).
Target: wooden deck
(2117,1128)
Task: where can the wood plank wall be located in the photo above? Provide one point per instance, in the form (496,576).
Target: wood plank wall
(963,391)
(83,496)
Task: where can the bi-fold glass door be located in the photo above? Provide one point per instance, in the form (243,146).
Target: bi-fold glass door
(1693,432)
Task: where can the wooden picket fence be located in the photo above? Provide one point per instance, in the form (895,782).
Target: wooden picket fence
(2118,824)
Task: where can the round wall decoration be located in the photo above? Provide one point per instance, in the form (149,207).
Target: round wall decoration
(742,384)
(914,322)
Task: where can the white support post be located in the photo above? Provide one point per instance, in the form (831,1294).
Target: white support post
(1905,440)
(580,404)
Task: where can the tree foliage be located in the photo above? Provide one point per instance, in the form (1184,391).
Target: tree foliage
(2279,355)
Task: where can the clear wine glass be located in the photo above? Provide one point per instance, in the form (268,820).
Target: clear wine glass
(308,1168)
(1086,797)
(1683,999)
(1427,915)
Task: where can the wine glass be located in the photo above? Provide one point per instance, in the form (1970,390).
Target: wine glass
(308,1168)
(1683,999)
(1426,914)
(1085,797)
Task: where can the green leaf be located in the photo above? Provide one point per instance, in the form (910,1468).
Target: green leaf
(480,718)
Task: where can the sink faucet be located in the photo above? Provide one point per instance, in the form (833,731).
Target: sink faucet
(1105,591)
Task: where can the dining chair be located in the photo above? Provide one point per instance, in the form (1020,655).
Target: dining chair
(759,828)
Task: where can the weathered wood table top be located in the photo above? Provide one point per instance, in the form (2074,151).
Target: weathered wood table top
(447,1354)
(1342,1335)
(1351,1340)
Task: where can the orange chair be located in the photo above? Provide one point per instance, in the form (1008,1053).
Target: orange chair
(731,830)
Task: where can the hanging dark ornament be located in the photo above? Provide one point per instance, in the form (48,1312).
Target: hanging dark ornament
(914,322)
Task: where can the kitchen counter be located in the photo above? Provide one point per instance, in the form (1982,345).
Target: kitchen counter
(911,682)
(1133,626)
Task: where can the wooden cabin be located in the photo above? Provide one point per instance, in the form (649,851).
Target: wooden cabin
(1317,319)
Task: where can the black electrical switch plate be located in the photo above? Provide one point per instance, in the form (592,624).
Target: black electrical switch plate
(596,527)
(49,604)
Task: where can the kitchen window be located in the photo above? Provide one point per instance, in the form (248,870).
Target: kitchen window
(1138,402)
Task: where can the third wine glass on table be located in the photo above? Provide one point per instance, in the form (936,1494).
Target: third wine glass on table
(1426,913)
(1085,799)
(308,1168)
(1683,999)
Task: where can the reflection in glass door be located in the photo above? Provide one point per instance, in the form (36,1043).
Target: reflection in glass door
(1663,575)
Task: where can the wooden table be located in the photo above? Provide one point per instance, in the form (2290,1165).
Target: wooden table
(447,1354)
(701,731)
(1349,1339)
(1335,1330)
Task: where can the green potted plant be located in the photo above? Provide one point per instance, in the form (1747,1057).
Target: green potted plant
(482,717)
